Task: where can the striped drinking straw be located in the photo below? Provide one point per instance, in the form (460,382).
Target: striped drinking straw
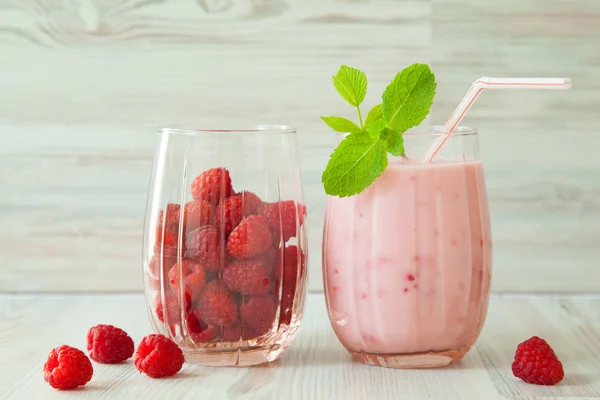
(479,86)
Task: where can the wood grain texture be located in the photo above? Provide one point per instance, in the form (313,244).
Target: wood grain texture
(316,366)
(537,145)
(86,83)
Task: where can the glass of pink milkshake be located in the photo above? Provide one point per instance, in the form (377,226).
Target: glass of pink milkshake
(407,262)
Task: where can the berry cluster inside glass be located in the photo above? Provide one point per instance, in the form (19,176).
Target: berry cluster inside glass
(225,248)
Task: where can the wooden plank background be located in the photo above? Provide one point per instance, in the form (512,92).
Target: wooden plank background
(85,83)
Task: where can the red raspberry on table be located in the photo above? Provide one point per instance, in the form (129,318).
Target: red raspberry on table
(250,238)
(158,356)
(194,277)
(108,344)
(231,211)
(248,277)
(198,213)
(259,313)
(535,362)
(67,368)
(212,185)
(203,246)
(217,305)
(284,218)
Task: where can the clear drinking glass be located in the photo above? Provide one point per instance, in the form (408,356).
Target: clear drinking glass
(407,262)
(225,250)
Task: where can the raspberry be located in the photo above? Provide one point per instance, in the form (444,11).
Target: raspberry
(198,330)
(167,243)
(172,216)
(198,213)
(250,238)
(67,368)
(231,211)
(259,313)
(216,305)
(248,277)
(172,307)
(169,238)
(252,203)
(158,356)
(204,336)
(193,324)
(288,280)
(153,270)
(271,258)
(203,246)
(238,332)
(535,362)
(194,277)
(166,251)
(212,185)
(282,217)
(108,344)
(194,283)
(170,224)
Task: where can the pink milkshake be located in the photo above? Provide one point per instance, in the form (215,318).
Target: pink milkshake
(407,264)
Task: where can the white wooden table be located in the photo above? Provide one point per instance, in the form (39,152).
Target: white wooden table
(315,367)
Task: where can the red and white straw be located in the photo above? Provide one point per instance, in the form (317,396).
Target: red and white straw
(482,84)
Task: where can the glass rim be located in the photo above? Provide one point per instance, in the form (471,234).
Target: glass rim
(436,130)
(261,128)
(460,130)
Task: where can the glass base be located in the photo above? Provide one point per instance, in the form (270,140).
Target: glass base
(234,357)
(414,360)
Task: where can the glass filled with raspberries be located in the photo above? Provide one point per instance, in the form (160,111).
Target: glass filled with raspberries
(225,246)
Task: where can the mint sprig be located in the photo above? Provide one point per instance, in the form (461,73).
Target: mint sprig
(375,114)
(407,100)
(355,163)
(362,155)
(351,84)
(340,124)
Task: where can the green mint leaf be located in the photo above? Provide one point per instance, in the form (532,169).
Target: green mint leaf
(351,84)
(340,124)
(355,164)
(376,128)
(373,115)
(395,142)
(407,100)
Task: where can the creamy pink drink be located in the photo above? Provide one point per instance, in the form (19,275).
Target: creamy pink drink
(407,263)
